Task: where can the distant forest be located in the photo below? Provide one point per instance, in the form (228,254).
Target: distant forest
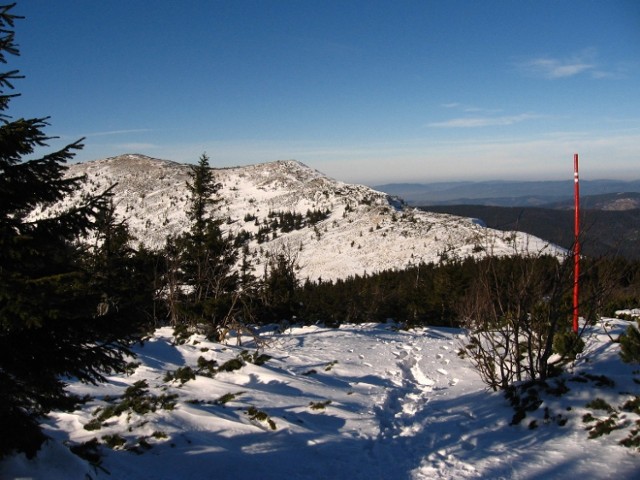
(604,233)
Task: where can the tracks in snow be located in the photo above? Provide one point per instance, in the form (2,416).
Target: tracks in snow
(408,412)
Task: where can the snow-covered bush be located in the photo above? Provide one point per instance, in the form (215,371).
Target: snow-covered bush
(630,344)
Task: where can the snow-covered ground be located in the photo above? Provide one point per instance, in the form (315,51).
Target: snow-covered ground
(366,231)
(358,402)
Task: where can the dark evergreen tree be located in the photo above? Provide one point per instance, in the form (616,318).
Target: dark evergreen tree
(123,276)
(204,194)
(205,289)
(279,287)
(50,323)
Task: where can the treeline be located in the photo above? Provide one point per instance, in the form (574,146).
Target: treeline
(167,290)
(435,294)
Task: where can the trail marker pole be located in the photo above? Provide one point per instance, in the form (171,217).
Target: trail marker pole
(576,243)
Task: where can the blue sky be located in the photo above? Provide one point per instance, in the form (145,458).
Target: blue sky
(364,91)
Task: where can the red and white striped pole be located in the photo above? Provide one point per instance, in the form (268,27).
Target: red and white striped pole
(576,244)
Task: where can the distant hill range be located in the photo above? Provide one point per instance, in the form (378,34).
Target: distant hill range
(610,209)
(605,232)
(504,193)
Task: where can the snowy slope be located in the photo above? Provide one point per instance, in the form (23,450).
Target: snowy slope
(366,230)
(358,402)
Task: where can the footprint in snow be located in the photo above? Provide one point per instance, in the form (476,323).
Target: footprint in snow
(418,375)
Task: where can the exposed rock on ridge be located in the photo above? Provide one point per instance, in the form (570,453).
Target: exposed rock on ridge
(364,230)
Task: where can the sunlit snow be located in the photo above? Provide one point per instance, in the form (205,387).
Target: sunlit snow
(366,232)
(358,402)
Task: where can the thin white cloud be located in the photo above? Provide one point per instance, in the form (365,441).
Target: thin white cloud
(469,108)
(490,121)
(554,68)
(117,132)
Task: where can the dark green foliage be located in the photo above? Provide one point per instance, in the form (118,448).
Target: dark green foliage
(278,299)
(256,358)
(598,380)
(599,426)
(599,404)
(260,359)
(601,420)
(260,416)
(209,368)
(421,295)
(58,317)
(131,367)
(431,294)
(114,441)
(619,278)
(285,222)
(181,333)
(231,365)
(182,375)
(603,427)
(142,446)
(559,387)
(523,399)
(203,190)
(136,399)
(568,344)
(118,442)
(125,277)
(319,405)
(227,397)
(630,344)
(205,292)
(206,367)
(330,365)
(528,397)
(632,405)
(633,440)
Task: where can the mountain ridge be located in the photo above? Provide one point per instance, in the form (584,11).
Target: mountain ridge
(359,230)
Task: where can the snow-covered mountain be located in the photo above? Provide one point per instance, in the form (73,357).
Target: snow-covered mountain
(360,229)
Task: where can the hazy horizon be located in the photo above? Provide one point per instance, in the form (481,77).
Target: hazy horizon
(383,181)
(364,91)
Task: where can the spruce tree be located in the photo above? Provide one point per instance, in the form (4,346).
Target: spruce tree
(204,284)
(203,191)
(279,289)
(50,324)
(123,276)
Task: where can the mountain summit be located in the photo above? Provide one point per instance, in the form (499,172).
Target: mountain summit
(334,229)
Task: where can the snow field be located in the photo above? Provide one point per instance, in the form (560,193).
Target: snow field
(357,402)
